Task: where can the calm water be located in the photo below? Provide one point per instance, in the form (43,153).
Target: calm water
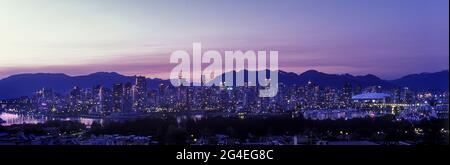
(11,119)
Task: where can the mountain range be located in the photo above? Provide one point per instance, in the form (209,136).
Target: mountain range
(319,78)
(437,81)
(26,84)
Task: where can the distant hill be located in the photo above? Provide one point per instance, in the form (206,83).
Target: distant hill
(335,80)
(437,81)
(323,79)
(26,84)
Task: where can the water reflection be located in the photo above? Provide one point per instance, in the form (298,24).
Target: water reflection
(184,118)
(11,119)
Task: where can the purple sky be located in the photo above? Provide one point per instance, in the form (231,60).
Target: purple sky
(388,38)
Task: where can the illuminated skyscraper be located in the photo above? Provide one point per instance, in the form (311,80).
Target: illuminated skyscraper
(346,94)
(96,99)
(127,97)
(117,97)
(101,100)
(75,104)
(140,94)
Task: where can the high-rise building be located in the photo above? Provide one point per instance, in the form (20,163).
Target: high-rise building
(96,98)
(101,100)
(117,97)
(407,96)
(140,94)
(127,97)
(346,94)
(75,101)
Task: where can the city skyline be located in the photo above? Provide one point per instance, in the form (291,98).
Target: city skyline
(198,81)
(26,84)
(389,39)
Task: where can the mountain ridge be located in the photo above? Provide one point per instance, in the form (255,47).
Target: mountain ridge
(25,84)
(422,81)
